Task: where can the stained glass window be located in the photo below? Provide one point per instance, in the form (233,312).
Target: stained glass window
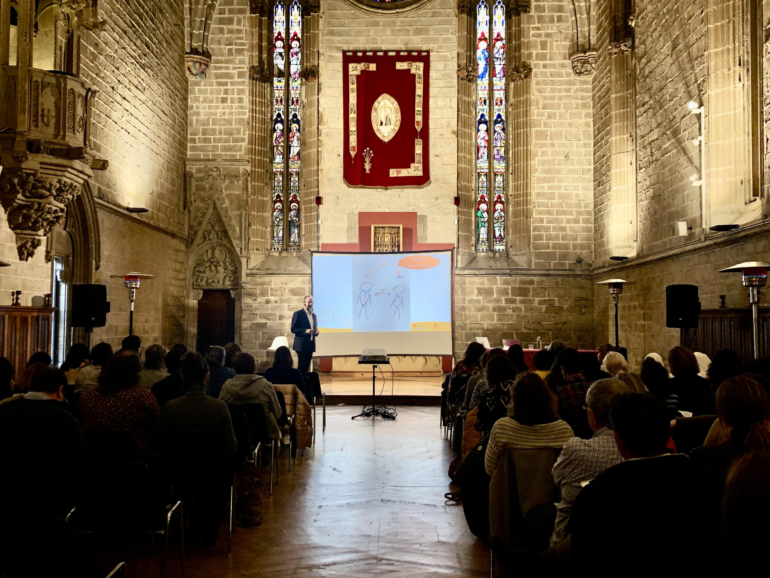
(287,125)
(490,123)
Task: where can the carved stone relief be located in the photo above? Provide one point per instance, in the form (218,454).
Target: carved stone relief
(583,63)
(214,269)
(212,190)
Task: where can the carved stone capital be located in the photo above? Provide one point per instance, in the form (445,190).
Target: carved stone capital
(309,73)
(466,74)
(583,63)
(518,7)
(620,48)
(197,64)
(34,204)
(520,74)
(312,7)
(466,7)
(260,74)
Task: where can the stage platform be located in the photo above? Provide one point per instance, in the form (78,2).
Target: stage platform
(356,389)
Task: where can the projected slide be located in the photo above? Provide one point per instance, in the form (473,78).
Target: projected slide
(399,302)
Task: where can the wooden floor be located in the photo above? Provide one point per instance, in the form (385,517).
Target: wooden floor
(368,501)
(342,385)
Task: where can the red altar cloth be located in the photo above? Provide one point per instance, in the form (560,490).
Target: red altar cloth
(385,100)
(529,356)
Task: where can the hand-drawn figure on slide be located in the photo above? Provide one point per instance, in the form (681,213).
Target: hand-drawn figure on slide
(364,302)
(398,300)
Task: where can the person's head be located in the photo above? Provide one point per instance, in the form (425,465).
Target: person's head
(101,354)
(244,364)
(194,370)
(615,363)
(473,354)
(154,356)
(599,400)
(682,362)
(571,363)
(743,406)
(602,351)
(39,357)
(181,347)
(726,364)
(215,356)
(633,382)
(557,347)
(543,360)
(516,354)
(132,343)
(490,355)
(703,363)
(641,425)
(499,370)
(283,357)
(307,302)
(230,350)
(532,403)
(76,356)
(591,366)
(655,378)
(655,357)
(29,374)
(173,360)
(759,367)
(51,382)
(6,377)
(121,372)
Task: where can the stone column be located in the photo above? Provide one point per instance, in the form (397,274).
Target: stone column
(466,101)
(311,152)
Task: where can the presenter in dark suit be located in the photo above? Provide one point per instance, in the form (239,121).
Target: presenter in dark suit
(304,326)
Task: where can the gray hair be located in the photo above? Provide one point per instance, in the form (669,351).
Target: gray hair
(600,395)
(305,298)
(215,356)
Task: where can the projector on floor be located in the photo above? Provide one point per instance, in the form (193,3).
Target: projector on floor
(373,356)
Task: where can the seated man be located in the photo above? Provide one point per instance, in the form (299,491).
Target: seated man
(654,514)
(572,394)
(218,373)
(170,387)
(199,444)
(582,460)
(43,450)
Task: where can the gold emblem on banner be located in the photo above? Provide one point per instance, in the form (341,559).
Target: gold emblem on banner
(386,117)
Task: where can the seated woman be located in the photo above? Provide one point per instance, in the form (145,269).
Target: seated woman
(516,354)
(615,364)
(154,366)
(655,377)
(283,371)
(470,364)
(77,357)
(494,397)
(532,422)
(218,372)
(88,376)
(687,384)
(119,407)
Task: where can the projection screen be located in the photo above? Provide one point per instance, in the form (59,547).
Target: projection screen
(400,302)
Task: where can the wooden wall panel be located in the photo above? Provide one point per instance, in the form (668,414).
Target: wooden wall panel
(728,329)
(24,331)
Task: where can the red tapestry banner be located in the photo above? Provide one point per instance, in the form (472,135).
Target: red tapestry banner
(386,118)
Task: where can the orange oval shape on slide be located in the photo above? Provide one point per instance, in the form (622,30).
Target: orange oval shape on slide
(418,262)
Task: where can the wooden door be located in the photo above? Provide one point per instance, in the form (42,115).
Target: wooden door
(216,319)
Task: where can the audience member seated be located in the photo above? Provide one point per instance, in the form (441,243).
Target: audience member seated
(39,357)
(572,395)
(745,510)
(199,445)
(283,372)
(615,364)
(653,514)
(602,351)
(633,382)
(172,386)
(218,373)
(23,385)
(132,343)
(248,387)
(6,378)
(743,410)
(726,364)
(494,396)
(703,363)
(77,357)
(555,375)
(480,379)
(179,347)
(118,406)
(532,422)
(658,383)
(43,450)
(231,350)
(592,369)
(543,361)
(582,460)
(687,384)
(88,376)
(154,366)
(516,354)
(556,347)
(470,364)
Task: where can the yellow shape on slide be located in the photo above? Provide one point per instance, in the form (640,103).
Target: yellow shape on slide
(335,330)
(431,326)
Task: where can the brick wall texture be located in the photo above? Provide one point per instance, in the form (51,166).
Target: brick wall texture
(154,125)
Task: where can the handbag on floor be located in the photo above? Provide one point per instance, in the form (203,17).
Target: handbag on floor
(474,490)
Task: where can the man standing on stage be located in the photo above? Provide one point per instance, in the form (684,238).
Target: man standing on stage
(304,326)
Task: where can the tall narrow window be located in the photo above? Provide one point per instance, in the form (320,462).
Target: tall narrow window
(490,118)
(286,125)
(59,333)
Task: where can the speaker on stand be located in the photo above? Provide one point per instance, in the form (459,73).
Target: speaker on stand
(682,307)
(89,308)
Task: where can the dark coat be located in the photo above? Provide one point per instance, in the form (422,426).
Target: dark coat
(282,374)
(303,341)
(217,378)
(168,388)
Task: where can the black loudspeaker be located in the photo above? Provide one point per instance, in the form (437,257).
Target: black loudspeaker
(89,305)
(682,306)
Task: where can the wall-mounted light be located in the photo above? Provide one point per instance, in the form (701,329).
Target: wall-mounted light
(682,229)
(4,264)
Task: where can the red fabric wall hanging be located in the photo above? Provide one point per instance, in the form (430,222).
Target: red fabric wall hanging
(386,115)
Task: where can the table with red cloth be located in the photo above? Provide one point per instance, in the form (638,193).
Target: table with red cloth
(529,356)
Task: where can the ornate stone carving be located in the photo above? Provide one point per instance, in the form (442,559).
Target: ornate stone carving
(71,111)
(622,47)
(309,73)
(466,7)
(34,204)
(518,7)
(211,203)
(214,269)
(197,63)
(520,74)
(312,7)
(468,75)
(583,63)
(260,73)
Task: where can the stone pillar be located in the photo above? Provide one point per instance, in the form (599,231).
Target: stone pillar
(309,183)
(466,109)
